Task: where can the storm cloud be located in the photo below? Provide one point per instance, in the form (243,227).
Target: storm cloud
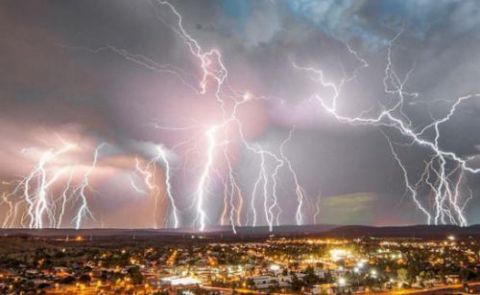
(71,70)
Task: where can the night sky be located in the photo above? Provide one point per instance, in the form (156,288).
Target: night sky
(124,79)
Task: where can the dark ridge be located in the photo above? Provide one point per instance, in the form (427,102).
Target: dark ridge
(242,233)
(419,231)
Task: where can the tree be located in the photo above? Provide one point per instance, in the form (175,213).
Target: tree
(136,275)
(297,284)
(310,276)
(84,278)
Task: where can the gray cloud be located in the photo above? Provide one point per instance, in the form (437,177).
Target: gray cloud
(48,80)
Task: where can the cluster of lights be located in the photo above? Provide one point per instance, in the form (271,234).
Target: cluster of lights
(181,281)
(339,254)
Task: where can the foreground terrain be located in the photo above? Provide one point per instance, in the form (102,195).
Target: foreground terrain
(317,260)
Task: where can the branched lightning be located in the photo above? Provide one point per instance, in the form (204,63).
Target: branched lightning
(168,185)
(299,191)
(47,190)
(83,210)
(38,201)
(446,187)
(216,137)
(147,171)
(148,175)
(214,74)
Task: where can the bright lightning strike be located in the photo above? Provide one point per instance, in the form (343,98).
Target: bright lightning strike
(217,137)
(83,210)
(47,190)
(445,186)
(148,172)
(215,73)
(40,196)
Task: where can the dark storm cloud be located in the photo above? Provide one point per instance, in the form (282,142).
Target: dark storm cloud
(52,76)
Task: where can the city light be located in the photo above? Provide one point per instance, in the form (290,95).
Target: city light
(360,264)
(274,267)
(181,281)
(338,254)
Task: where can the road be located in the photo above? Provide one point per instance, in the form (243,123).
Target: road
(444,289)
(440,290)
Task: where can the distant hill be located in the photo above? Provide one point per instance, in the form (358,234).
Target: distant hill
(226,232)
(420,231)
(260,231)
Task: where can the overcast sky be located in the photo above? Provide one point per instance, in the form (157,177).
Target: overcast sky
(120,73)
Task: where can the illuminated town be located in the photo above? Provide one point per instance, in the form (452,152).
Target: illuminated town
(283,265)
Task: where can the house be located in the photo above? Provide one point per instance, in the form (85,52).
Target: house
(264,282)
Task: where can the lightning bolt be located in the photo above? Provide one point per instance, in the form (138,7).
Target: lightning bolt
(205,178)
(299,191)
(44,206)
(212,80)
(443,175)
(64,199)
(148,173)
(445,188)
(34,189)
(163,156)
(317,209)
(215,73)
(83,210)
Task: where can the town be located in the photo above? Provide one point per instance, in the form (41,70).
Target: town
(282,265)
